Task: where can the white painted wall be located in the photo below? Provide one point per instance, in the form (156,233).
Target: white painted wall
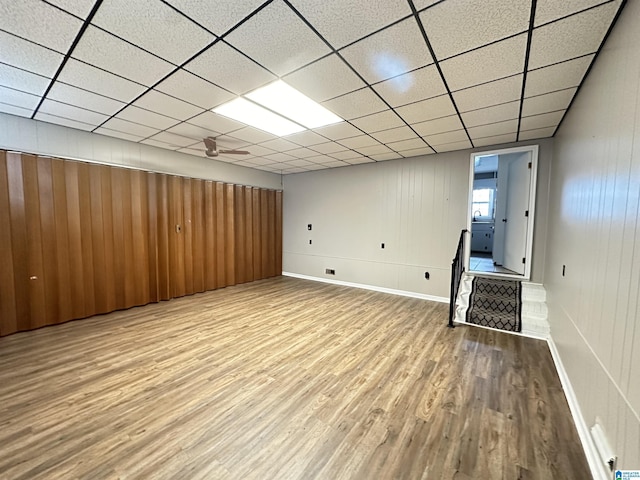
(594,229)
(32,136)
(415,206)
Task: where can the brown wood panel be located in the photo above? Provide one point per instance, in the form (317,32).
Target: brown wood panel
(187,233)
(164,234)
(210,236)
(139,266)
(257,233)
(176,237)
(151,181)
(198,237)
(37,296)
(220,236)
(63,254)
(248,235)
(109,236)
(278,233)
(82,191)
(229,226)
(127,231)
(98,241)
(240,233)
(117,224)
(8,314)
(271,231)
(264,232)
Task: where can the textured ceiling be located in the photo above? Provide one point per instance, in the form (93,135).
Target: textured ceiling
(409,77)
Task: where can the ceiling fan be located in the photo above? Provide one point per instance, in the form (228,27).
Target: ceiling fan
(212,150)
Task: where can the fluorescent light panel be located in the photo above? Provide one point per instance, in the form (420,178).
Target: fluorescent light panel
(254,115)
(289,102)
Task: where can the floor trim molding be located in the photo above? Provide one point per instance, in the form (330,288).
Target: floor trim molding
(403,293)
(593,458)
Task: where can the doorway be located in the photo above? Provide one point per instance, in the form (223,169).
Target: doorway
(501,212)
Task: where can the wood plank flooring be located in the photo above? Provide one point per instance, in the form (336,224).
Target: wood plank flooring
(282,379)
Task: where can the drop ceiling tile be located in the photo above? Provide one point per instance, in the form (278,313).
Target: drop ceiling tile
(13,110)
(357,142)
(306,138)
(385,156)
(338,131)
(407,144)
(420,4)
(280,145)
(549,10)
(329,147)
(22,80)
(549,102)
(389,53)
(130,128)
(375,150)
(65,122)
(378,121)
(253,135)
(192,151)
(447,137)
(336,20)
(229,69)
(164,104)
(62,92)
(33,20)
(439,125)
(219,19)
(356,104)
(116,134)
(346,155)
(571,37)
(28,56)
(215,122)
(557,77)
(412,87)
(190,88)
(486,64)
(231,143)
(541,121)
(114,55)
(394,135)
(491,130)
(153,26)
(278,49)
(193,131)
(536,133)
(415,152)
(80,8)
(335,164)
(281,157)
(359,161)
(19,99)
(495,140)
(72,113)
(324,79)
(294,170)
(145,117)
(259,150)
(488,94)
(173,139)
(91,78)
(427,109)
(157,143)
(456,26)
(497,113)
(300,163)
(302,153)
(450,147)
(315,166)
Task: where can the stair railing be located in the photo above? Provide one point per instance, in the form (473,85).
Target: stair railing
(457,269)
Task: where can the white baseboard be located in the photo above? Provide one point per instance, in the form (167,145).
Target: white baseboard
(402,293)
(598,470)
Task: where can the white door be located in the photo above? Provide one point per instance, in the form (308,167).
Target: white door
(516,220)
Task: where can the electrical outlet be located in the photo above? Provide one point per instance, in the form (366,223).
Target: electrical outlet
(310,241)
(426,275)
(563,269)
(330,271)
(382,245)
(309,226)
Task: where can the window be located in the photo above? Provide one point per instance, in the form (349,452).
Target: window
(483,203)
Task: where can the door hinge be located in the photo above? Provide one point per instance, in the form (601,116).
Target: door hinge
(526,213)
(529,166)
(523,260)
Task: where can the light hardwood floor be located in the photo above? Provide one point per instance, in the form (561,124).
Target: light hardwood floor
(282,379)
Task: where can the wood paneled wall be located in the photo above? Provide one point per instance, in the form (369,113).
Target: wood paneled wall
(81,239)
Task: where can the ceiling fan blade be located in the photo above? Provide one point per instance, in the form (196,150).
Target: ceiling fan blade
(210,143)
(234,152)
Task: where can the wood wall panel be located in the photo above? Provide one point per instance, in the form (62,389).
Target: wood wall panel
(82,239)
